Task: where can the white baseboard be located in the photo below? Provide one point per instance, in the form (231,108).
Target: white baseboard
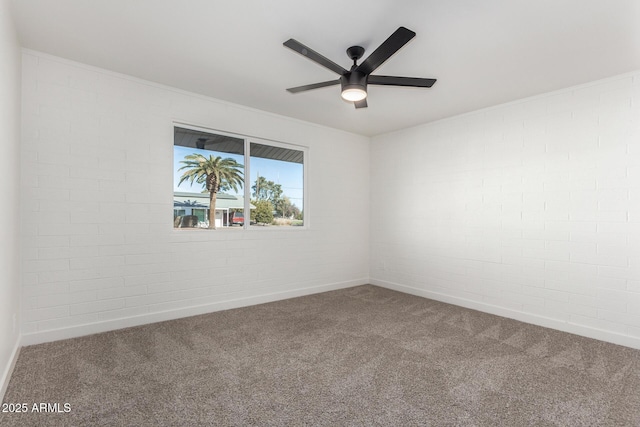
(110,325)
(6,375)
(534,319)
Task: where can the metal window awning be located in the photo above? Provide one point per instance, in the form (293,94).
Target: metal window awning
(228,144)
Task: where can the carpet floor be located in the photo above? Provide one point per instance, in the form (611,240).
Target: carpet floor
(360,356)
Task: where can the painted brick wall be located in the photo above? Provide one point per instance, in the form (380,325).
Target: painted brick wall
(529,210)
(99,250)
(9,188)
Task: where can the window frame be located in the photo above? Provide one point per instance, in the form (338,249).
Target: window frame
(247,141)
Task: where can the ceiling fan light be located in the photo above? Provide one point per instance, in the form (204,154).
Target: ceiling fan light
(354,94)
(354,86)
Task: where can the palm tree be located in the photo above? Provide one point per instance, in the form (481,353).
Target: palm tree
(215,174)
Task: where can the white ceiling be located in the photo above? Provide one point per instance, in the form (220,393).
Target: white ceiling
(482,52)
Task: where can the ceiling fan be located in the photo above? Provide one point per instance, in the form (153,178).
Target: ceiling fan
(201,142)
(354,81)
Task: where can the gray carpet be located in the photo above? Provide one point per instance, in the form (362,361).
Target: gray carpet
(359,356)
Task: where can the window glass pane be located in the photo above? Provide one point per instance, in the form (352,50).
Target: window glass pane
(276,186)
(207,168)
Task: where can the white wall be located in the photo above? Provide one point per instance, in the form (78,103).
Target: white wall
(9,188)
(99,248)
(529,210)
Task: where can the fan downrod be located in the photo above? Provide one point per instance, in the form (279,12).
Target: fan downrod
(355,53)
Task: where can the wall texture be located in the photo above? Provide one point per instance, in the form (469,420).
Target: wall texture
(529,210)
(100,251)
(9,188)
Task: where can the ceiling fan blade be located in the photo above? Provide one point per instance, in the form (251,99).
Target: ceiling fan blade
(400,81)
(313,86)
(314,56)
(361,104)
(390,46)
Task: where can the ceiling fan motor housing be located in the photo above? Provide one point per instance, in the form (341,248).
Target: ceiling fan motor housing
(354,80)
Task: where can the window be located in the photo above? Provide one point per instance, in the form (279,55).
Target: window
(235,174)
(276,185)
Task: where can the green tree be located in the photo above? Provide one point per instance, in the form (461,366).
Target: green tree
(263,213)
(215,174)
(266,190)
(272,192)
(286,208)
